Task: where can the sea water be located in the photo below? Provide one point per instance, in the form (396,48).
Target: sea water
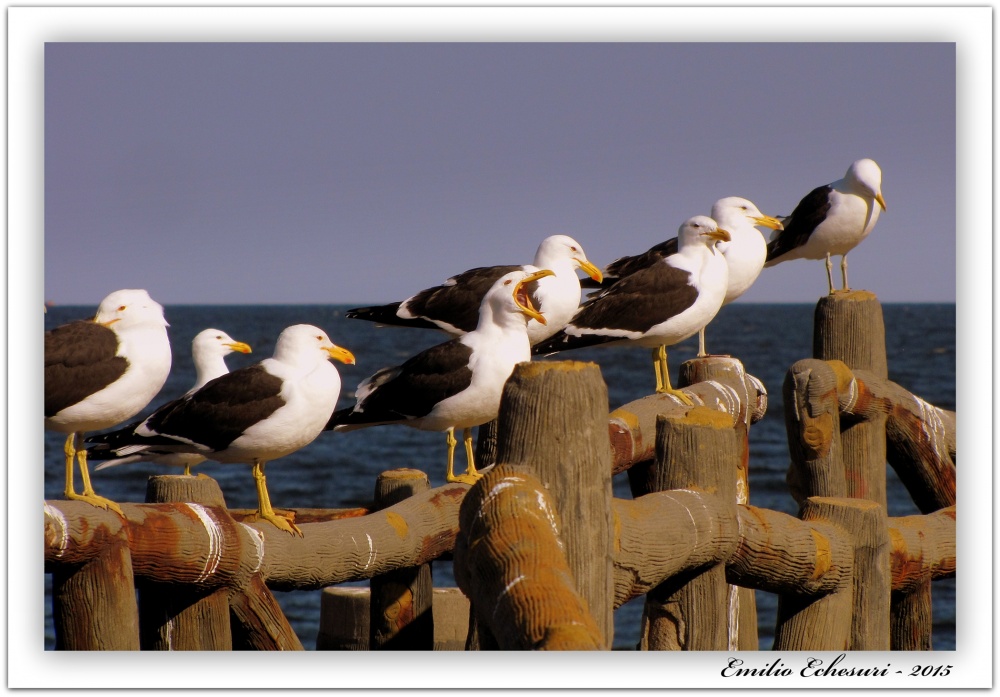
(338,470)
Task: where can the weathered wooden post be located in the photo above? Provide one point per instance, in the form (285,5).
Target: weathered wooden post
(812,420)
(849,328)
(554,423)
(400,606)
(94,605)
(692,611)
(729,371)
(853,618)
(183,618)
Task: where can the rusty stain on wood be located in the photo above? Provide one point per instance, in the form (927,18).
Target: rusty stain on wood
(397,523)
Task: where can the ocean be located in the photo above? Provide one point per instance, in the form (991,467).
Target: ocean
(339,470)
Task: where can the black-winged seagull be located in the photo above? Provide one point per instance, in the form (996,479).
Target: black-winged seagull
(831,219)
(658,305)
(208,350)
(252,415)
(453,306)
(101,372)
(456,384)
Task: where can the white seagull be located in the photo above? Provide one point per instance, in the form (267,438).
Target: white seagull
(658,305)
(208,349)
(453,306)
(456,384)
(251,415)
(745,252)
(101,372)
(832,219)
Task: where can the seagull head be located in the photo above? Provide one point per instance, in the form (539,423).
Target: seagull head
(734,211)
(701,230)
(215,342)
(128,308)
(563,248)
(302,341)
(865,176)
(511,296)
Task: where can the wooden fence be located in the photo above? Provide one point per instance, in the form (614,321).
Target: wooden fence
(543,551)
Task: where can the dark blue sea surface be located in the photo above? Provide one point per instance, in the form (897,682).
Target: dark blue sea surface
(339,470)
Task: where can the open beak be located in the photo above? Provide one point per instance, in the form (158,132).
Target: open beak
(522,298)
(719,234)
(239,346)
(340,354)
(768,221)
(881,201)
(590,270)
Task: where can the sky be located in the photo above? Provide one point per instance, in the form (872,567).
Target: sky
(364,172)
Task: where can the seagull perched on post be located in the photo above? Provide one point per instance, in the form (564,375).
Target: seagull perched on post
(101,372)
(252,415)
(208,349)
(453,306)
(658,305)
(745,253)
(832,219)
(456,384)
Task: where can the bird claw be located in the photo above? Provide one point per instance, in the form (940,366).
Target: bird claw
(466,478)
(679,394)
(98,501)
(282,521)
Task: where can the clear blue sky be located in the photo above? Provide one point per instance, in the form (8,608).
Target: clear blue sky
(351,172)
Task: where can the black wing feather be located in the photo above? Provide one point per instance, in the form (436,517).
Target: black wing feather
(79,361)
(810,212)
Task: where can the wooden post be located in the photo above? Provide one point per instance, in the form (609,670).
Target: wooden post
(400,607)
(553,423)
(812,420)
(849,328)
(729,371)
(692,610)
(911,620)
(486,444)
(183,618)
(344,619)
(855,618)
(94,604)
(258,622)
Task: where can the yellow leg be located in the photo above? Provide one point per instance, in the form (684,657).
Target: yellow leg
(187,470)
(658,368)
(74,447)
(470,476)
(281,521)
(666,388)
(829,273)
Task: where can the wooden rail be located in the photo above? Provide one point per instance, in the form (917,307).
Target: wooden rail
(541,548)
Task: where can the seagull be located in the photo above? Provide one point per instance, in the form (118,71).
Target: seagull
(252,415)
(456,384)
(745,253)
(453,306)
(831,219)
(209,348)
(656,306)
(101,372)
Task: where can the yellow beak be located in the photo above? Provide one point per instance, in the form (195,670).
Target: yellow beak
(523,299)
(881,201)
(108,323)
(590,270)
(340,354)
(239,346)
(719,234)
(768,221)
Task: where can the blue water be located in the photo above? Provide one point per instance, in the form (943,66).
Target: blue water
(339,470)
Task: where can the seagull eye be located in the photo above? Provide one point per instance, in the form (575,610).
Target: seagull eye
(219,337)
(120,309)
(507,282)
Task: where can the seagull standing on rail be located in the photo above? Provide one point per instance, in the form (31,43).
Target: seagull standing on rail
(658,305)
(832,219)
(101,372)
(453,306)
(252,415)
(456,384)
(208,349)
